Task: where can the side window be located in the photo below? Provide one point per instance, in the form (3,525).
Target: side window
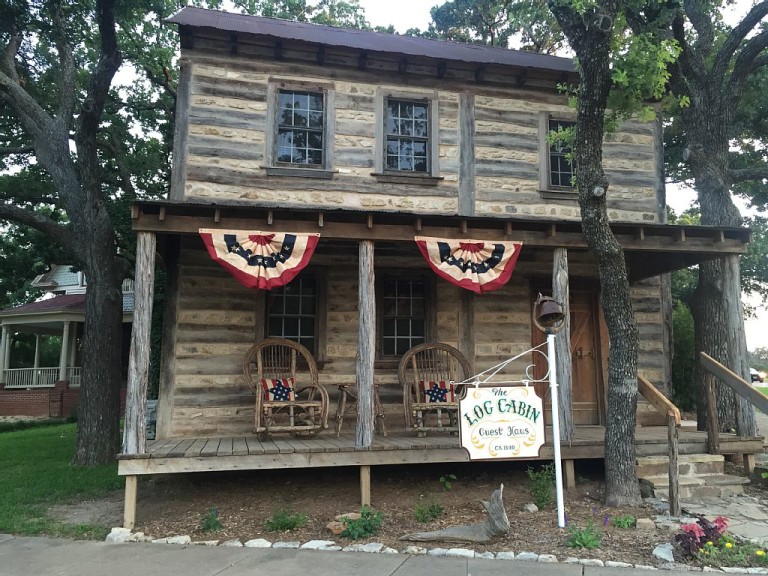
(300,128)
(555,169)
(407,133)
(403,316)
(292,312)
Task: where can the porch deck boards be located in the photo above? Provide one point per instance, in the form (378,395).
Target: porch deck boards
(181,455)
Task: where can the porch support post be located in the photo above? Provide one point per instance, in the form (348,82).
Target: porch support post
(134,437)
(63,354)
(36,363)
(560,292)
(3,347)
(72,346)
(7,351)
(366,348)
(129,511)
(365,485)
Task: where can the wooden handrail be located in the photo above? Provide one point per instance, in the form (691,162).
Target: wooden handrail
(734,381)
(657,399)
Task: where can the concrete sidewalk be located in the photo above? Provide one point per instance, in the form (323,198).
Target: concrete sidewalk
(52,557)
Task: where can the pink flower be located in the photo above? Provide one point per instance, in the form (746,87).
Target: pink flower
(694,529)
(721,524)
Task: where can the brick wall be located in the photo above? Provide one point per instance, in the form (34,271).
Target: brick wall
(61,401)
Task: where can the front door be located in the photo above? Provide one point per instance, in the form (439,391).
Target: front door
(586,360)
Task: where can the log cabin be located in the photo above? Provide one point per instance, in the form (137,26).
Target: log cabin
(358,143)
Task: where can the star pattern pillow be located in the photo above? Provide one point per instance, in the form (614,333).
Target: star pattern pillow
(440,391)
(278,390)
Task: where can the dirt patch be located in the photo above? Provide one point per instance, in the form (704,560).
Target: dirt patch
(174,505)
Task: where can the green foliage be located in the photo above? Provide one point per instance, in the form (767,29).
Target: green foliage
(367,525)
(27,424)
(341,13)
(684,390)
(426,512)
(623,521)
(37,474)
(284,521)
(447,481)
(588,537)
(542,485)
(210,521)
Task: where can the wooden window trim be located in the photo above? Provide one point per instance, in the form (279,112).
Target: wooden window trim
(430,310)
(432,176)
(272,166)
(546,189)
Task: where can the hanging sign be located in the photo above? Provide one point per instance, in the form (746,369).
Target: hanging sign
(501,422)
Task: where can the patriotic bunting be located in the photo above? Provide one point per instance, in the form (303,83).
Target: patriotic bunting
(476,265)
(263,260)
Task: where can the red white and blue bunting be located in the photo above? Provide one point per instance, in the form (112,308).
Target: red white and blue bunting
(263,260)
(477,265)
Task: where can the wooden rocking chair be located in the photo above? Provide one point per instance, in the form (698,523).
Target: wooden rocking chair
(427,373)
(283,377)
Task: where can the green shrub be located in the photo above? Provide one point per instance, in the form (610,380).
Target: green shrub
(623,521)
(210,522)
(284,521)
(588,537)
(427,512)
(542,485)
(447,481)
(367,525)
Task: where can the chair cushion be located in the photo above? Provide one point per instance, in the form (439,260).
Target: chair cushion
(278,390)
(441,391)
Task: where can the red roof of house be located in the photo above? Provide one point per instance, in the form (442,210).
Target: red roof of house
(65,303)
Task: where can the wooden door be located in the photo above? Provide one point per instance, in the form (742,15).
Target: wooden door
(586,360)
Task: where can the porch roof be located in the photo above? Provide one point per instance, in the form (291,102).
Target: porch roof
(650,249)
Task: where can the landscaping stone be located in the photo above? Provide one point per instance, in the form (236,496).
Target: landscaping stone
(415,550)
(206,543)
(571,560)
(757,570)
(612,564)
(232,544)
(530,507)
(645,567)
(118,535)
(348,516)
(460,553)
(286,544)
(334,548)
(388,550)
(591,562)
(527,556)
(734,570)
(436,552)
(485,555)
(372,547)
(336,527)
(353,548)
(710,569)
(317,544)
(645,525)
(676,566)
(548,558)
(664,552)
(506,555)
(258,543)
(173,540)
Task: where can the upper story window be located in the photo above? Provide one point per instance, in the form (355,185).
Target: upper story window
(300,128)
(560,167)
(407,136)
(292,312)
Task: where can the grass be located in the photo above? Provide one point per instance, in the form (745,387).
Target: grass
(36,473)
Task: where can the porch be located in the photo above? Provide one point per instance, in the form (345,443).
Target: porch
(42,377)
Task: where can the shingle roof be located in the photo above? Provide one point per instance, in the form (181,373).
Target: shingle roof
(366,40)
(65,303)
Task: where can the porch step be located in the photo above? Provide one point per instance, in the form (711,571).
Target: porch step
(688,465)
(705,485)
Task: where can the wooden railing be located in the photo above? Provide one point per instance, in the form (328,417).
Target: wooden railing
(672,413)
(75,376)
(713,369)
(31,377)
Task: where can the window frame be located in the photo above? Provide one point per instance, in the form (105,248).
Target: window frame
(547,189)
(275,168)
(432,176)
(430,311)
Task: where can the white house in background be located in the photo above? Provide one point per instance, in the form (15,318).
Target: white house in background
(60,312)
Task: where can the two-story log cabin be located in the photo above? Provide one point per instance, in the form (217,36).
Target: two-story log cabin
(369,140)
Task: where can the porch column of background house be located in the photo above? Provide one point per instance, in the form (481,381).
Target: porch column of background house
(63,353)
(7,351)
(72,350)
(36,363)
(134,437)
(366,350)
(3,345)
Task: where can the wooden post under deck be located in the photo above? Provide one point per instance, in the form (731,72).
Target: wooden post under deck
(365,485)
(561,294)
(134,437)
(366,350)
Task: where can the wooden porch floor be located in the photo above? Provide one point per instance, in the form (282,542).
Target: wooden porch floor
(182,455)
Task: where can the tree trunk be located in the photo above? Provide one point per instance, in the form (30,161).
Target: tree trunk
(591,41)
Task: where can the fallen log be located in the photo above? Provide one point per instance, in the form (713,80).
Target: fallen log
(496,523)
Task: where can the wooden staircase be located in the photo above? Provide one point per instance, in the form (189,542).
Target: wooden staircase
(700,476)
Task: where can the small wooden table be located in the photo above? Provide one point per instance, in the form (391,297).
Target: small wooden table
(349,391)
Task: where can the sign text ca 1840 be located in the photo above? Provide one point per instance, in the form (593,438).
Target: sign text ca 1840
(501,422)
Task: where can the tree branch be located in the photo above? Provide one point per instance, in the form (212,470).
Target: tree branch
(61,235)
(701,20)
(8,150)
(745,61)
(756,173)
(734,39)
(67,84)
